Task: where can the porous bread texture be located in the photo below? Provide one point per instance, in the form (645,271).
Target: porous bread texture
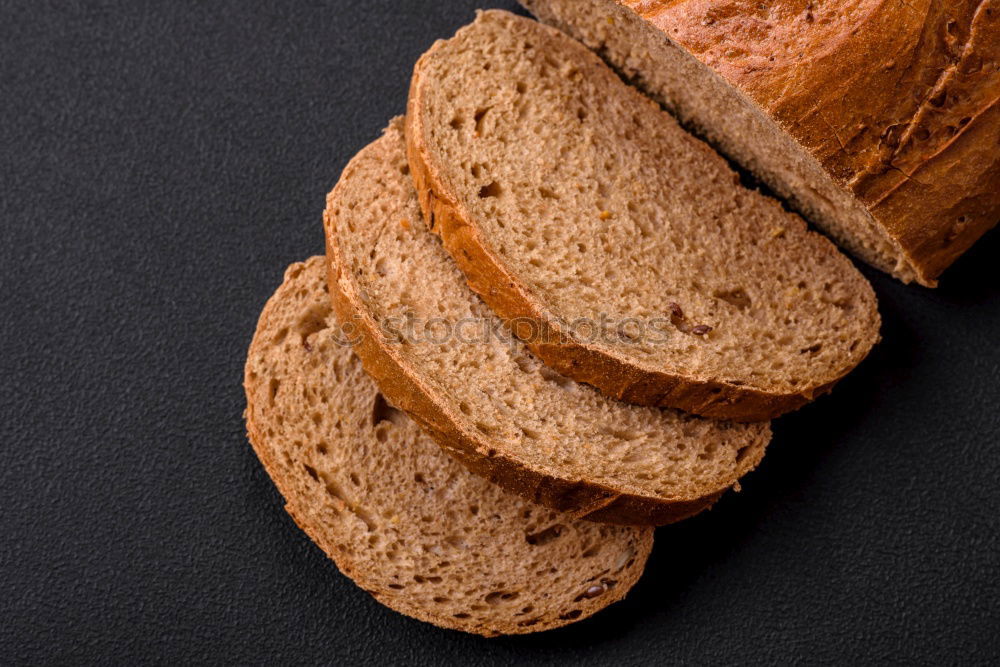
(726,119)
(485,398)
(567,196)
(879,120)
(406,522)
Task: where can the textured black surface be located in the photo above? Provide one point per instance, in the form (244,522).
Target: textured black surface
(163,162)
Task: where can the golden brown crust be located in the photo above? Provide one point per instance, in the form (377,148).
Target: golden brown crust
(511,300)
(898,101)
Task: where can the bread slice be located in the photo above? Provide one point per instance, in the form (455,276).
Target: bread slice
(574,203)
(440,354)
(878,120)
(407,523)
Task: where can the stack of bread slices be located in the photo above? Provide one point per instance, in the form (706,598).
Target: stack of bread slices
(547,320)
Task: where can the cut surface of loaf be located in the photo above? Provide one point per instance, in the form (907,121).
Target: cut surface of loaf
(879,121)
(406,522)
(572,201)
(440,354)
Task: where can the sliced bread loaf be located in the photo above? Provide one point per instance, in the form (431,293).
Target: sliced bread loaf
(639,263)
(878,119)
(441,355)
(407,523)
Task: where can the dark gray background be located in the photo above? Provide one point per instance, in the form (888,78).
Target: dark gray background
(163,162)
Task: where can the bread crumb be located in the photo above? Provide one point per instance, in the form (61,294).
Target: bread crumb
(404,223)
(611,20)
(605,215)
(777,232)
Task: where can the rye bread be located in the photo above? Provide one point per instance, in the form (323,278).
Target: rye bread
(568,198)
(879,120)
(406,522)
(439,353)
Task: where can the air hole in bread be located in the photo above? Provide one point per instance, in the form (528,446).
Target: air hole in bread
(737,297)
(531,433)
(497,597)
(621,434)
(313,321)
(543,537)
(478,119)
(311,472)
(491,189)
(383,412)
(456,541)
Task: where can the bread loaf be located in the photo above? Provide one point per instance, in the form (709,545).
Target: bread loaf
(572,201)
(878,119)
(440,354)
(407,523)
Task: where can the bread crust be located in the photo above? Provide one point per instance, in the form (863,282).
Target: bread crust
(898,102)
(615,376)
